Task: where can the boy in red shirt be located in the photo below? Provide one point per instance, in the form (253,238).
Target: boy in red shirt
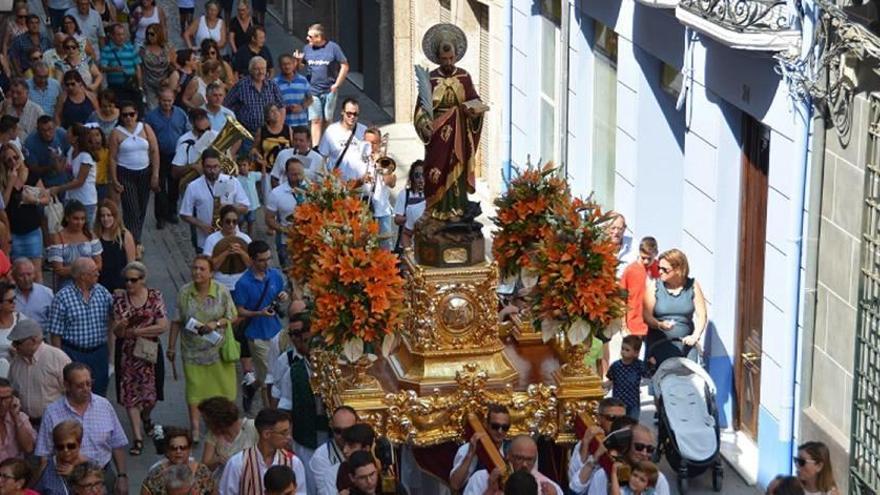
(633,280)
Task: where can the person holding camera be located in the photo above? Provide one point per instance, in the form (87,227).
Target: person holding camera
(257,294)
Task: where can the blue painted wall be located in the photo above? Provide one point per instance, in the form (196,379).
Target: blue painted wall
(678,172)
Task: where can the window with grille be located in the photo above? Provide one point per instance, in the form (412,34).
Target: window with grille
(865,435)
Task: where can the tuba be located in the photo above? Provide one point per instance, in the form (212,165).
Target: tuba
(231,133)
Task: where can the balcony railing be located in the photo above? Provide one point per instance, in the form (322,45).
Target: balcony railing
(660,4)
(764,25)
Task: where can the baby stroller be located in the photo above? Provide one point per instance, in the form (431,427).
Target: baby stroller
(688,432)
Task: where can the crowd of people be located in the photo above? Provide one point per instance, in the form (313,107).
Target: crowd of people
(100,115)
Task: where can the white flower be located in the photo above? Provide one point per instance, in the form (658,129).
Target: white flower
(549,329)
(353,349)
(578,331)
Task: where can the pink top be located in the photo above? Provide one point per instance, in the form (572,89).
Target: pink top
(8,445)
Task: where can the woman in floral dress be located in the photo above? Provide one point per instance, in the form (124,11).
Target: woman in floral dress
(138,313)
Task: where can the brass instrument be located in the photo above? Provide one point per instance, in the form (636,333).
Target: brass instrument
(385,165)
(231,133)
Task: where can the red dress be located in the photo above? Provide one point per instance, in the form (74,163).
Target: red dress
(137,378)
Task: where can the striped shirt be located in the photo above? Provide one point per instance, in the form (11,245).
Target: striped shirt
(80,322)
(293,93)
(124,56)
(22,44)
(102,431)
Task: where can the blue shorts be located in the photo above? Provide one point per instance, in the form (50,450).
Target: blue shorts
(28,245)
(323,106)
(249,217)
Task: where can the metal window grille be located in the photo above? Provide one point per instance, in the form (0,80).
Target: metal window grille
(865,435)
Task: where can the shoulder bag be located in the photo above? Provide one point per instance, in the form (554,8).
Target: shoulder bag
(347,144)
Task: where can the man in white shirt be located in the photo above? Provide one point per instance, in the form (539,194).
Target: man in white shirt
(197,207)
(330,454)
(302,151)
(186,156)
(282,202)
(643,437)
(465,463)
(357,437)
(523,456)
(310,429)
(345,138)
(380,187)
(609,410)
(245,470)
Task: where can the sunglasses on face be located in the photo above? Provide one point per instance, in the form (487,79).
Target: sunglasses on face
(499,426)
(178,448)
(610,417)
(352,114)
(129,114)
(134,280)
(62,447)
(36,59)
(801,462)
(643,447)
(71,47)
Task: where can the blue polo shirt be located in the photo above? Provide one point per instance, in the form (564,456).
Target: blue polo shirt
(36,153)
(247,295)
(168,128)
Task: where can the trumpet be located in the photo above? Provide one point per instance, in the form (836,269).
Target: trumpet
(385,165)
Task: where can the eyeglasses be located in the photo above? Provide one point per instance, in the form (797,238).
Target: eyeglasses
(66,446)
(801,462)
(129,114)
(499,426)
(178,448)
(643,447)
(352,114)
(71,47)
(134,280)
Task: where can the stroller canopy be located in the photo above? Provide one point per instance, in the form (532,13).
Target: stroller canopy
(685,389)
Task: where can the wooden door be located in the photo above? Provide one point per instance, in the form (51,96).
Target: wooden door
(750,307)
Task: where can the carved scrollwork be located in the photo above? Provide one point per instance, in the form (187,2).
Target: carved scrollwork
(440,418)
(743,15)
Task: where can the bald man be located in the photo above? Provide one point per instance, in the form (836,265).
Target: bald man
(522,456)
(79,320)
(31,297)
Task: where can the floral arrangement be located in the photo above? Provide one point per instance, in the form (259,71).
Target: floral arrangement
(576,266)
(526,212)
(335,252)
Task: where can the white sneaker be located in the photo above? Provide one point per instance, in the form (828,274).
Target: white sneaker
(250,378)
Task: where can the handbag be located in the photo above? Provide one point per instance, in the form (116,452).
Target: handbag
(230,350)
(146,349)
(54,215)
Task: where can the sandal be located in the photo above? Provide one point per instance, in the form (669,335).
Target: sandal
(137,449)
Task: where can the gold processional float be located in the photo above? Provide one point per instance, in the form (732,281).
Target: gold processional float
(453,356)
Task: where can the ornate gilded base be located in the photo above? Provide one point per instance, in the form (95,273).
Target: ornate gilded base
(425,372)
(452,320)
(578,389)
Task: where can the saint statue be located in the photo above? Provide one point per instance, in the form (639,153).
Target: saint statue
(448,119)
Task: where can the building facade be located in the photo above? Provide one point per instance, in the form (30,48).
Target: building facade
(676,115)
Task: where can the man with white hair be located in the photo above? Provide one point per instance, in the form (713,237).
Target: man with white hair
(252,93)
(79,319)
(522,456)
(31,298)
(36,370)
